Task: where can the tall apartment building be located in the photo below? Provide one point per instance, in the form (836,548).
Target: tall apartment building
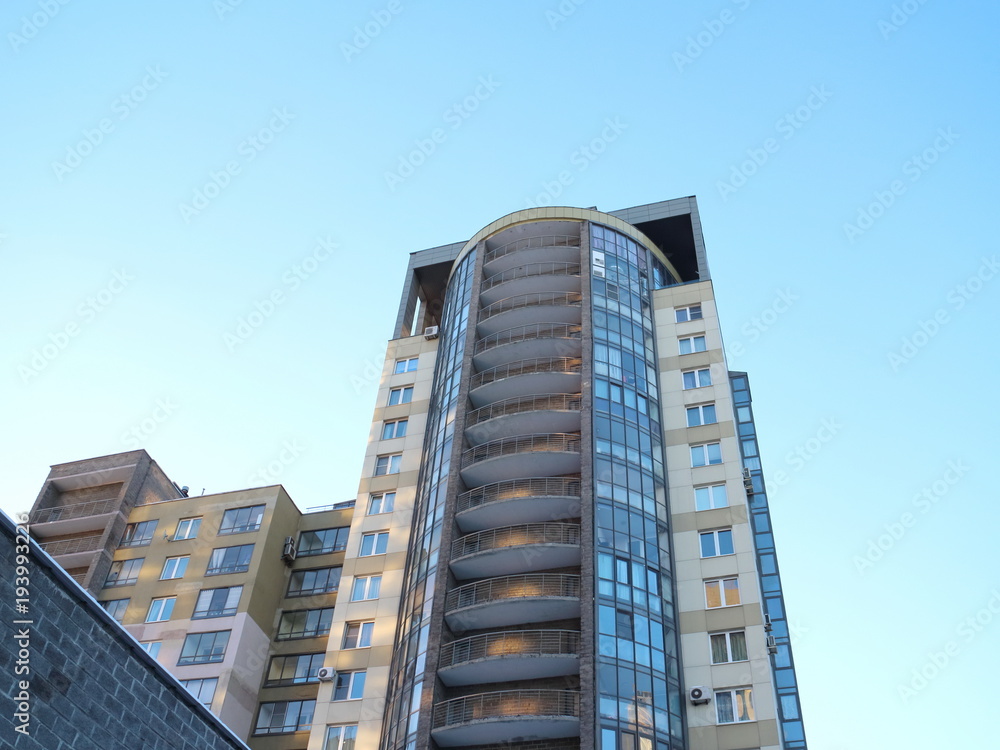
(560,540)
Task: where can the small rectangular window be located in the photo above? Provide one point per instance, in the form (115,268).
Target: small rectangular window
(138,534)
(402,395)
(341,737)
(349,686)
(187,528)
(124,572)
(365,588)
(713,496)
(152,647)
(702,414)
(358,634)
(395,429)
(203,689)
(388,464)
(405,365)
(230,560)
(240,520)
(727,647)
(706,455)
(204,648)
(691,344)
(161,609)
(374,544)
(716,543)
(683,314)
(722,593)
(174,567)
(697,378)
(734,706)
(383,502)
(221,602)
(116,608)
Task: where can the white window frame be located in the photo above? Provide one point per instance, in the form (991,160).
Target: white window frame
(747,694)
(721,583)
(690,344)
(387,464)
(165,603)
(405,365)
(703,452)
(151,647)
(700,410)
(355,685)
(367,585)
(716,546)
(187,528)
(377,543)
(381,502)
(712,496)
(401,395)
(685,314)
(341,734)
(118,603)
(181,561)
(702,378)
(727,639)
(196,687)
(366,629)
(396,425)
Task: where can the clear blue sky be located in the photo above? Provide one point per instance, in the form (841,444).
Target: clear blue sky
(304,120)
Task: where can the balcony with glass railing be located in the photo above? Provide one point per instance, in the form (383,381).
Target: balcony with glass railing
(516,549)
(529,500)
(506,716)
(539,455)
(510,655)
(513,600)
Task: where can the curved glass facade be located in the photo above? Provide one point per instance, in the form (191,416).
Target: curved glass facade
(406,683)
(638,674)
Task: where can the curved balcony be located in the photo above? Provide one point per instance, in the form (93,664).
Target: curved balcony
(557,248)
(528,500)
(532,277)
(539,375)
(527,342)
(524,309)
(513,600)
(516,549)
(544,455)
(510,655)
(524,415)
(506,716)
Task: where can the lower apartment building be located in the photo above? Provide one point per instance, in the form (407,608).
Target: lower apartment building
(561,538)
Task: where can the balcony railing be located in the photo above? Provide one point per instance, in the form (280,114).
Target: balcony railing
(521,404)
(528,333)
(545,240)
(71,546)
(77,510)
(534,299)
(505,704)
(513,587)
(512,489)
(511,643)
(516,536)
(564,365)
(551,268)
(564,442)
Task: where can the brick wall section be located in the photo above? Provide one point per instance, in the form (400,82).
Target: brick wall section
(91,686)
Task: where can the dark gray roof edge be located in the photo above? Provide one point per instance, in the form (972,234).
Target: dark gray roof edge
(40,556)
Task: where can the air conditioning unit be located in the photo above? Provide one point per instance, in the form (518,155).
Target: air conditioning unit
(431,332)
(288,551)
(772,646)
(599,272)
(699,695)
(747,481)
(325,674)
(767,623)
